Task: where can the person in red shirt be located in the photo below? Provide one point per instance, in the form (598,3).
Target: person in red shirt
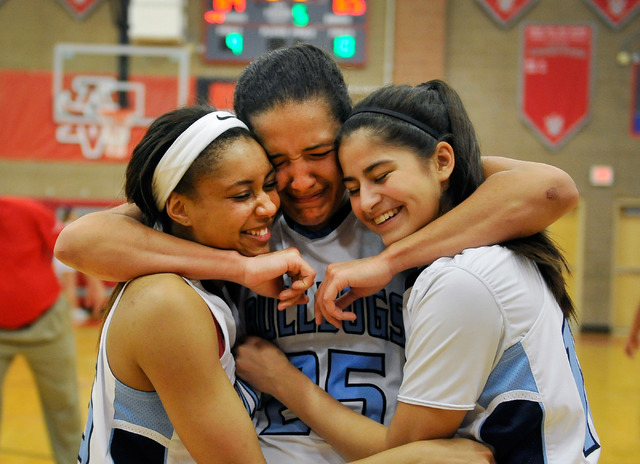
(35,320)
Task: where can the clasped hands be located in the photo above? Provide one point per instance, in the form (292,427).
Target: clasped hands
(343,282)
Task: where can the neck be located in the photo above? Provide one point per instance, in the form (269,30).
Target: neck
(317,232)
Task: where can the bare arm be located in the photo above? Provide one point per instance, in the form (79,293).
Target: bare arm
(450,450)
(352,435)
(517,199)
(169,344)
(114,245)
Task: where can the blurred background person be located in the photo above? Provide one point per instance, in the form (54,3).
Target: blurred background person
(35,320)
(632,341)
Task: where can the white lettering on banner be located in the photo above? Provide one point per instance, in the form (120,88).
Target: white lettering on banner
(90,115)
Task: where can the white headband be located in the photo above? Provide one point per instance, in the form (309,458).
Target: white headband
(186,148)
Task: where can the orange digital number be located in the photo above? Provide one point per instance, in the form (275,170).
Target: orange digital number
(225,6)
(221,7)
(349,7)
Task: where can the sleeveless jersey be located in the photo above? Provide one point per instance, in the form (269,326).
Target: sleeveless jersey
(360,364)
(485,334)
(125,425)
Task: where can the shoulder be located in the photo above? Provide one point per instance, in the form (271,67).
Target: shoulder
(492,275)
(451,303)
(161,311)
(483,262)
(474,261)
(157,287)
(479,257)
(465,278)
(161,298)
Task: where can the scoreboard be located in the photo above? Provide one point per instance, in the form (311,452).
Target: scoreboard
(236,31)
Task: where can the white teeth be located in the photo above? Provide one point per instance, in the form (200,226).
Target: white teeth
(383,217)
(258,232)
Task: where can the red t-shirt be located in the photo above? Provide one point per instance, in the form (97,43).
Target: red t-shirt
(28,284)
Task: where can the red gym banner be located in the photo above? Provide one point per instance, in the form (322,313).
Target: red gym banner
(31,133)
(79,9)
(616,13)
(555,79)
(90,126)
(506,12)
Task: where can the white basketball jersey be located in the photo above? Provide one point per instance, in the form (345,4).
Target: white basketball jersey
(125,425)
(485,334)
(360,364)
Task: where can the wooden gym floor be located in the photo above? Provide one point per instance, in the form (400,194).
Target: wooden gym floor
(612,379)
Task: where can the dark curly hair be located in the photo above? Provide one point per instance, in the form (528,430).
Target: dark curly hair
(438,106)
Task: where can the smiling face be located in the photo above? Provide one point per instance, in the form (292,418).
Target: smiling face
(393,191)
(299,138)
(234,205)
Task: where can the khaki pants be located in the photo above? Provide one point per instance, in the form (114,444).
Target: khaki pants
(49,348)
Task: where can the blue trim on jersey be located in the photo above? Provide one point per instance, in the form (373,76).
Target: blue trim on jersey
(515,430)
(141,408)
(84,455)
(590,443)
(131,448)
(513,372)
(249,397)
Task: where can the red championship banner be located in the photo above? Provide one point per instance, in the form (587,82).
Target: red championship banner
(79,9)
(616,13)
(506,12)
(555,86)
(93,128)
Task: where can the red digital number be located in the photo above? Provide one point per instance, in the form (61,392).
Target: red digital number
(349,7)
(221,8)
(225,6)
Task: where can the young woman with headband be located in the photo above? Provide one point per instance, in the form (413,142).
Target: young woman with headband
(165,387)
(489,351)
